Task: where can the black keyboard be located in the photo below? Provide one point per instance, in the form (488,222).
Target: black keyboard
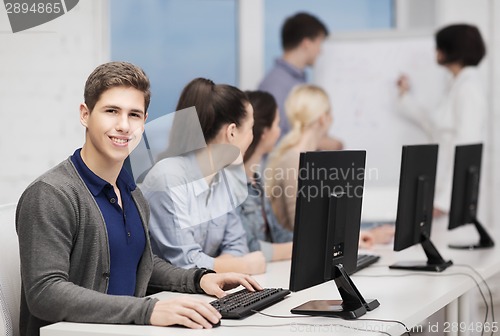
(243,303)
(365,260)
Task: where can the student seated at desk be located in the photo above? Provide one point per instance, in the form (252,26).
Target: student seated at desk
(264,233)
(308,111)
(83,227)
(193,212)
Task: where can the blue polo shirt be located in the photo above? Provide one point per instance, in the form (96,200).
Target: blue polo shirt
(126,236)
(279,81)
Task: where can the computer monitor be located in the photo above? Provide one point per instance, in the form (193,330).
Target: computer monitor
(326,232)
(465,193)
(415,205)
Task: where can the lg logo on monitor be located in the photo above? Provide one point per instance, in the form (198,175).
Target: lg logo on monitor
(26,14)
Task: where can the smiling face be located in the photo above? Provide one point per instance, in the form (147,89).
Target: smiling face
(114,126)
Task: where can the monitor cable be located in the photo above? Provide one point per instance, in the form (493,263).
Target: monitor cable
(487,287)
(322,325)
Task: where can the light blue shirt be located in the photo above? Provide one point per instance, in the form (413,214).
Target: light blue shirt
(279,81)
(192,222)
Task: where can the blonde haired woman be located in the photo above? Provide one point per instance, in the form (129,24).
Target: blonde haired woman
(309,112)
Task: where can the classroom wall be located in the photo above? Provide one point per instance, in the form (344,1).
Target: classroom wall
(495,104)
(42,75)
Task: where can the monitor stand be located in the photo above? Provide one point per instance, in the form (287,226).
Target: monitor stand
(435,263)
(485,240)
(352,305)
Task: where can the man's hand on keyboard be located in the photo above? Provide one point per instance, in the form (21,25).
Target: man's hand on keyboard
(217,283)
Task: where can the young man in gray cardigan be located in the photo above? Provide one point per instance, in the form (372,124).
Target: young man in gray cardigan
(82,227)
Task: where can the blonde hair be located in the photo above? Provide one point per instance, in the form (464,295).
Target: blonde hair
(304,106)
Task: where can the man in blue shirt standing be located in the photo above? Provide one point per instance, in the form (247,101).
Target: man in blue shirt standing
(302,36)
(83,227)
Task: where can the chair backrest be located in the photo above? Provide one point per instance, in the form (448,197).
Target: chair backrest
(10,273)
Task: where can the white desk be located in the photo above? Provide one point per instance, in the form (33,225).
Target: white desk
(409,299)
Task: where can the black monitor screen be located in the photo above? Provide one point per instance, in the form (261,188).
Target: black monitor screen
(415,206)
(465,194)
(416,194)
(465,190)
(326,232)
(326,180)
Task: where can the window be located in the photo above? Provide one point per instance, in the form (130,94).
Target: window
(175,41)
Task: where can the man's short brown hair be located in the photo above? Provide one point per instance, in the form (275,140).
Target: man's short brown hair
(115,74)
(299,27)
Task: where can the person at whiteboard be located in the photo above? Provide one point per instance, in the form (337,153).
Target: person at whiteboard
(193,196)
(302,36)
(309,112)
(460,117)
(83,227)
(264,233)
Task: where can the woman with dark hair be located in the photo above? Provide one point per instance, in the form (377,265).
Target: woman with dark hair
(460,118)
(193,196)
(264,233)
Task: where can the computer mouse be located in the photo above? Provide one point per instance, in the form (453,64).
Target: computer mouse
(214,325)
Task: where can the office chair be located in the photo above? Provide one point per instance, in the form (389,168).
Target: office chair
(10,274)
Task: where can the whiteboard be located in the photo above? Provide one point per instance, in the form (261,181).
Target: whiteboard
(359,75)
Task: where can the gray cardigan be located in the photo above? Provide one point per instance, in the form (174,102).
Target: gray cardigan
(64,253)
